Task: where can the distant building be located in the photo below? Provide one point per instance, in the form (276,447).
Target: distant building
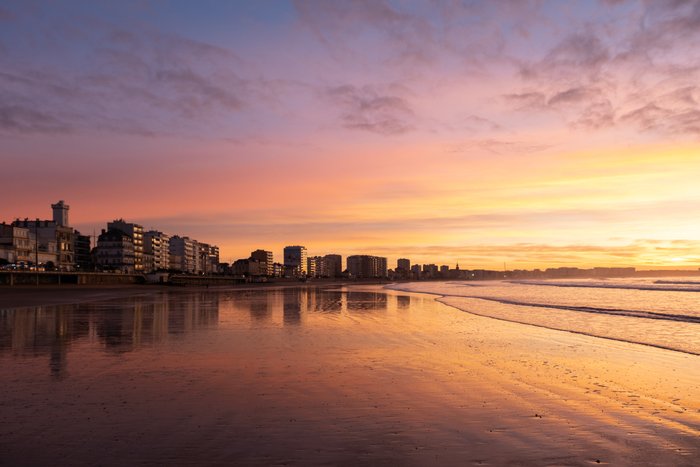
(17,245)
(115,251)
(213,265)
(430,271)
(366,266)
(415,271)
(55,242)
(249,268)
(333,266)
(156,251)
(444,270)
(82,249)
(403,264)
(264,256)
(315,266)
(295,261)
(182,254)
(135,231)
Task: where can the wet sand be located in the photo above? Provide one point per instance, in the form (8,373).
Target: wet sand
(32,296)
(302,376)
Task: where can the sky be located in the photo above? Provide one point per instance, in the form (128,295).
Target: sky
(532,133)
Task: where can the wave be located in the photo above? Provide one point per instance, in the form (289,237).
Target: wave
(678,282)
(598,285)
(605,311)
(572,331)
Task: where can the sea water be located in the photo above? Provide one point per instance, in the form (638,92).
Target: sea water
(659,312)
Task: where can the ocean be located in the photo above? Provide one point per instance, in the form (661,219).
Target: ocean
(658,312)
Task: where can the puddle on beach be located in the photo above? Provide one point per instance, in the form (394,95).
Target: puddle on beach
(326,376)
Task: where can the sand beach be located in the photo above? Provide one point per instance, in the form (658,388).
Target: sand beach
(354,375)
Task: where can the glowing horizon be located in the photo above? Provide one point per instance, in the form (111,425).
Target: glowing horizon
(536,134)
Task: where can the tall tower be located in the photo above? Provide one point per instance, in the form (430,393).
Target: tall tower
(60,213)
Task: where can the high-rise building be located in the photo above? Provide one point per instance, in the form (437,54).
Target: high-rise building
(403,264)
(332,265)
(182,254)
(83,256)
(156,250)
(366,266)
(115,251)
(295,260)
(264,256)
(315,266)
(135,231)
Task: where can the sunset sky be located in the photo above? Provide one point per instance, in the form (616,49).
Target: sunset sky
(536,133)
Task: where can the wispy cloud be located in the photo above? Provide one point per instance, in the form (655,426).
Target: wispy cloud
(365,108)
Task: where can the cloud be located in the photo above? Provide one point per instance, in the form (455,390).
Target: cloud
(134,82)
(498,147)
(27,120)
(365,108)
(526,100)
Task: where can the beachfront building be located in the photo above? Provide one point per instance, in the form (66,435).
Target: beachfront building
(212,260)
(249,268)
(314,266)
(403,269)
(332,266)
(17,245)
(135,231)
(181,252)
(264,256)
(82,250)
(156,255)
(295,263)
(366,266)
(115,251)
(55,242)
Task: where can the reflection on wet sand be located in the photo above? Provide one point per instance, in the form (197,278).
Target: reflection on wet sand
(348,376)
(119,326)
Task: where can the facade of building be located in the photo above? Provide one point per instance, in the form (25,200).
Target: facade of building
(366,266)
(332,266)
(213,264)
(156,251)
(55,242)
(83,257)
(249,268)
(403,264)
(266,257)
(182,254)
(115,252)
(295,263)
(135,231)
(17,245)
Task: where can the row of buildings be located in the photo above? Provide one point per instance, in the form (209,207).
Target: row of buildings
(121,247)
(297,263)
(126,247)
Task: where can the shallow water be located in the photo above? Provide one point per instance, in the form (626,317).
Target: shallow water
(658,312)
(348,376)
